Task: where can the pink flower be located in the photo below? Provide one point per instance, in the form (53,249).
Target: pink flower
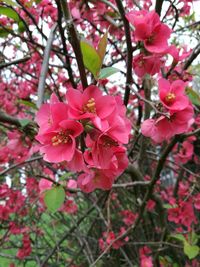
(51,114)
(164,128)
(197,201)
(95,178)
(69,207)
(89,104)
(128,217)
(59,144)
(143,64)
(186,152)
(150,30)
(44,185)
(145,259)
(173,95)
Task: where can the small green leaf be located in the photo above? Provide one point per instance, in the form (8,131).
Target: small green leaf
(4,33)
(193,238)
(21,27)
(106,72)
(179,237)
(65,176)
(10,13)
(24,122)
(101,50)
(10,3)
(27,103)
(168,206)
(193,96)
(190,251)
(91,58)
(54,198)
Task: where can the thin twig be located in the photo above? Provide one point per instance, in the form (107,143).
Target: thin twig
(45,64)
(14,62)
(192,57)
(75,42)
(129,51)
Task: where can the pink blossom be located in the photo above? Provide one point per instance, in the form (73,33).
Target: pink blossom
(164,128)
(150,30)
(197,201)
(185,153)
(69,207)
(44,185)
(72,184)
(89,104)
(59,144)
(145,259)
(143,64)
(128,217)
(95,178)
(173,95)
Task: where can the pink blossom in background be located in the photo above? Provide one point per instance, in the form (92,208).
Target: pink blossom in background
(173,95)
(150,30)
(146,64)
(164,128)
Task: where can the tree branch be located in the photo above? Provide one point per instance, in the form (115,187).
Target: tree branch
(74,40)
(67,61)
(158,6)
(129,51)
(45,64)
(14,62)
(192,57)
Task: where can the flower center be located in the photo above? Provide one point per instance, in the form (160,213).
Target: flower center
(151,38)
(90,106)
(141,63)
(61,138)
(170,97)
(108,142)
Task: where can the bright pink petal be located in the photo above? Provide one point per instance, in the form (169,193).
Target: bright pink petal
(75,128)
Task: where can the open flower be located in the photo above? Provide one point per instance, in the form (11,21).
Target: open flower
(173,95)
(89,104)
(150,30)
(59,144)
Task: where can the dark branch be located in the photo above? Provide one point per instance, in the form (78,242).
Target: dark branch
(15,62)
(158,6)
(74,40)
(129,51)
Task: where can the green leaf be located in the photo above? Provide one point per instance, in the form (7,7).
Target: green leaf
(24,122)
(193,238)
(27,103)
(101,50)
(54,198)
(190,251)
(193,96)
(10,3)
(12,14)
(65,176)
(106,72)
(91,58)
(4,33)
(179,237)
(21,27)
(8,12)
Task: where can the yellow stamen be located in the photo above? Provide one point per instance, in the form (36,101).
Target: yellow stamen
(170,97)
(90,106)
(61,138)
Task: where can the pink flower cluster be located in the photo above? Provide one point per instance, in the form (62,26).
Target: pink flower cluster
(26,249)
(154,35)
(179,109)
(88,133)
